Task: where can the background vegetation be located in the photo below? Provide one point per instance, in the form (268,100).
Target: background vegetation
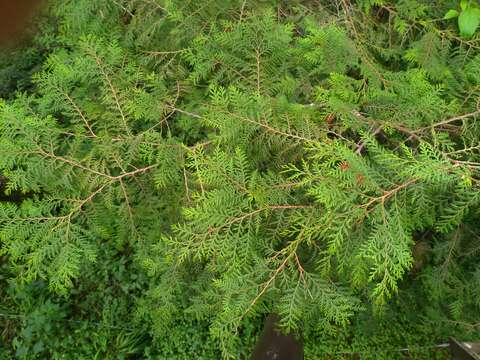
(173,171)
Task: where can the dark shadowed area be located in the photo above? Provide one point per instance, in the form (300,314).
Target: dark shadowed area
(14,18)
(273,345)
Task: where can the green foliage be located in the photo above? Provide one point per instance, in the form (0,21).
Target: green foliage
(468,17)
(181,170)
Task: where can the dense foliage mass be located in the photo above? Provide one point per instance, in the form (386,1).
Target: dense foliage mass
(173,171)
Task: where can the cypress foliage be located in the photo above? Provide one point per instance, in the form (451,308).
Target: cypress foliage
(316,159)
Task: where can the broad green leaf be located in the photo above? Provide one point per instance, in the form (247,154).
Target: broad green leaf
(463,4)
(452,13)
(468,21)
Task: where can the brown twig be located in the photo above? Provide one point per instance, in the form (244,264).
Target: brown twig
(112,88)
(362,144)
(187,191)
(164,53)
(267,284)
(242,10)
(77,109)
(234,220)
(450,120)
(127,203)
(257,58)
(389,193)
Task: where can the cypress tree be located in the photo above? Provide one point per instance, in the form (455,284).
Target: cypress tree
(315,159)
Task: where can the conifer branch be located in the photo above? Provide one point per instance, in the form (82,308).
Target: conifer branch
(293,246)
(88,199)
(93,171)
(134,172)
(153,2)
(111,87)
(362,144)
(465,150)
(257,58)
(185,112)
(271,129)
(469,164)
(123,8)
(242,10)
(263,125)
(231,68)
(187,190)
(389,193)
(71,162)
(237,219)
(379,123)
(450,120)
(127,203)
(301,272)
(267,284)
(164,53)
(77,109)
(257,163)
(365,55)
(72,213)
